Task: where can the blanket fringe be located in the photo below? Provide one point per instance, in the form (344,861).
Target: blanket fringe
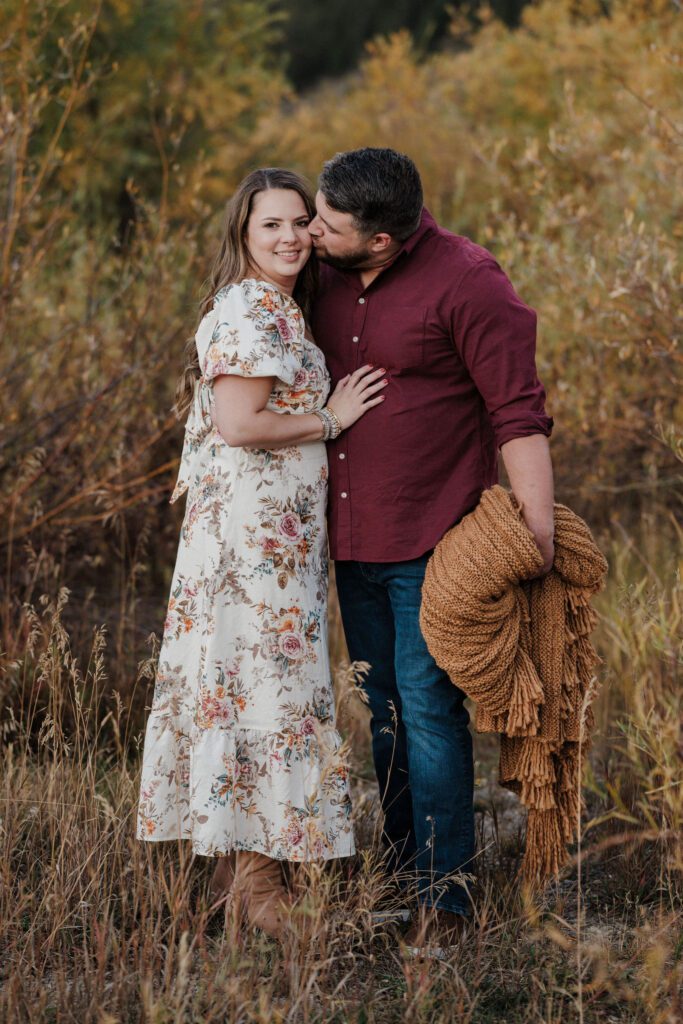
(545,854)
(526,699)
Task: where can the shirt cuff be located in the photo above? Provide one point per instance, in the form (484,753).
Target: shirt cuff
(522,425)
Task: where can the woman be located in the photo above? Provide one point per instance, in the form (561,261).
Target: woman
(241,754)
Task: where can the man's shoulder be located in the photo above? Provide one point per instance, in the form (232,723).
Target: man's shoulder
(464,271)
(460,252)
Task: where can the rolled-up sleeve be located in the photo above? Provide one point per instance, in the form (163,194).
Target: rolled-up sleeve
(495,335)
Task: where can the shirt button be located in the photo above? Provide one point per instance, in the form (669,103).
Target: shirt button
(355,338)
(361,301)
(344,494)
(341,455)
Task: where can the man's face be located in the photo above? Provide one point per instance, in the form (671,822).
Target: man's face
(336,238)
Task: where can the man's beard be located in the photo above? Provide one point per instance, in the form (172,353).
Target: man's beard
(350,261)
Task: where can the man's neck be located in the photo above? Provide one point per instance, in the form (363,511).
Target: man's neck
(368,274)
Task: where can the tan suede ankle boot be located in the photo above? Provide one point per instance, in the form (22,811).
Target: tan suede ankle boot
(260,894)
(223,877)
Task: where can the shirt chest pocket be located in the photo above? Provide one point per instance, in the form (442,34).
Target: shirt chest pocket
(397,338)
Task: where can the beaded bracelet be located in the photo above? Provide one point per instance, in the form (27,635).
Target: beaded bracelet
(332,427)
(336,427)
(325,422)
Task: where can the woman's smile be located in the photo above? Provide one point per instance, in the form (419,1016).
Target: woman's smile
(291,255)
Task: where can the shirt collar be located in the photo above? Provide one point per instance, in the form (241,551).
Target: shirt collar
(426,226)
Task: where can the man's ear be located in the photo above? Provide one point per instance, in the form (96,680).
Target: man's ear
(380,242)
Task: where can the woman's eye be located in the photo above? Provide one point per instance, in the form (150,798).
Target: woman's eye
(299,223)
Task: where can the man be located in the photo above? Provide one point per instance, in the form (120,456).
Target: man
(458,346)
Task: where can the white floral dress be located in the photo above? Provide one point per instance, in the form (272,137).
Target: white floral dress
(241,747)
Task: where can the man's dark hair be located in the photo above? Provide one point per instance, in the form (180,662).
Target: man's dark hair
(380,188)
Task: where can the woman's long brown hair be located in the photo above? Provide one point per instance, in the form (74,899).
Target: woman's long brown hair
(233,262)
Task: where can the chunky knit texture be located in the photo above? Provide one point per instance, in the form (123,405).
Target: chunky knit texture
(521,649)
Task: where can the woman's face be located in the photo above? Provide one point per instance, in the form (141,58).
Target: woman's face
(277,236)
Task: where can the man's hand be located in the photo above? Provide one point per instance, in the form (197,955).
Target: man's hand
(545,545)
(530,471)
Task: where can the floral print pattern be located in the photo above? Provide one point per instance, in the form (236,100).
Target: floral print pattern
(241,747)
(286,534)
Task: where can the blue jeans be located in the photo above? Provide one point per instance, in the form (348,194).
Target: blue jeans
(422,750)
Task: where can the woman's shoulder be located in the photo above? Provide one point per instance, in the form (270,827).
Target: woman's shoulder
(253,290)
(262,303)
(251,305)
(251,298)
(257,292)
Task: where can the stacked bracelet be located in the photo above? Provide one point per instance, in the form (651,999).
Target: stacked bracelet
(332,427)
(325,422)
(336,427)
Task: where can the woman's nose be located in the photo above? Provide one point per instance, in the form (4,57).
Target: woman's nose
(287,233)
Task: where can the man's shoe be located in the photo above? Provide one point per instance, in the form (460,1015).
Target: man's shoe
(392,905)
(399,914)
(393,899)
(435,934)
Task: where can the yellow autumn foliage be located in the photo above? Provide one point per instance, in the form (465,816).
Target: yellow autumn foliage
(558,146)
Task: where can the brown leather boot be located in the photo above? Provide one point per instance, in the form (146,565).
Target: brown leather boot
(260,894)
(223,877)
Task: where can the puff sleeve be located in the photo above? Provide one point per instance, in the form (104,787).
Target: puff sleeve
(251,332)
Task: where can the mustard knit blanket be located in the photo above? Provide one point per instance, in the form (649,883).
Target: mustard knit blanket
(521,650)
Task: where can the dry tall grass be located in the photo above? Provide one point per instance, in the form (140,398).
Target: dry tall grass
(95,926)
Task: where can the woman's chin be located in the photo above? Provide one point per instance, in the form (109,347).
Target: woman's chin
(286,269)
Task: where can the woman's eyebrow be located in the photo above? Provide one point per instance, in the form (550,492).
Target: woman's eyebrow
(302,216)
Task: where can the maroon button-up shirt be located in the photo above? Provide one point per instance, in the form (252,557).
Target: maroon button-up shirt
(458,345)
